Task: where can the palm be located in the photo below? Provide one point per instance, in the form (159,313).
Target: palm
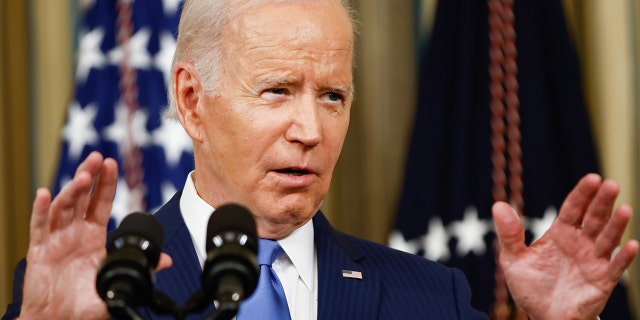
(568,273)
(67,243)
(71,258)
(546,263)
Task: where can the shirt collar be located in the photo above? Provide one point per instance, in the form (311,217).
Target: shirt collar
(298,246)
(196,213)
(300,249)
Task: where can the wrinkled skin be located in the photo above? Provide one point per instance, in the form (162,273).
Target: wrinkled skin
(67,243)
(271,134)
(569,272)
(270,139)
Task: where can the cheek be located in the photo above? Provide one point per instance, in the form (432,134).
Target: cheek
(337,134)
(246,139)
(229,127)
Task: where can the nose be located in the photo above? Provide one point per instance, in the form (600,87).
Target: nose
(306,124)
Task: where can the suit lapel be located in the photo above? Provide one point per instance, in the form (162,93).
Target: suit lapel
(339,296)
(182,280)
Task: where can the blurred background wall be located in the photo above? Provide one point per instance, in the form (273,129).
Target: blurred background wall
(607,37)
(36,85)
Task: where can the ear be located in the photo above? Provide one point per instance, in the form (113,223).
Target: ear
(188,93)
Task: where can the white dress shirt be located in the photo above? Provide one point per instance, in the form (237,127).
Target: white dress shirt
(297,269)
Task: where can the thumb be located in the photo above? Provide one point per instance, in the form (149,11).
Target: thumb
(509,229)
(165,262)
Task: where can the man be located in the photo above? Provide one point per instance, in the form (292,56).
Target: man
(264,89)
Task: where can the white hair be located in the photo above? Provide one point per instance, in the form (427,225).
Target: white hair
(200,38)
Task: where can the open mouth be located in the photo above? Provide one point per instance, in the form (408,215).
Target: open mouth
(293,172)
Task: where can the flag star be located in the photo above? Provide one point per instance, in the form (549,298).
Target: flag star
(470,233)
(171,6)
(87,4)
(436,241)
(164,57)
(126,201)
(174,140)
(137,48)
(79,130)
(397,241)
(168,190)
(119,209)
(140,135)
(118,131)
(64,181)
(539,226)
(89,53)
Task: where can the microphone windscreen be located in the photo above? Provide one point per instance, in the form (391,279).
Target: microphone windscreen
(143,225)
(231,217)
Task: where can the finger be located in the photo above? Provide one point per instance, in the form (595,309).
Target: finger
(612,232)
(165,262)
(600,209)
(623,259)
(509,229)
(74,197)
(575,205)
(65,203)
(92,164)
(39,224)
(101,202)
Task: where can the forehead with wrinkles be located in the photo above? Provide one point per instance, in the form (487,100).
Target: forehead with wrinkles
(302,33)
(258,26)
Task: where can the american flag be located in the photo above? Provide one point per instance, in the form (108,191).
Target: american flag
(352,274)
(445,209)
(124,54)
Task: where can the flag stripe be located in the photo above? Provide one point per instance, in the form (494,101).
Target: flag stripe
(124,54)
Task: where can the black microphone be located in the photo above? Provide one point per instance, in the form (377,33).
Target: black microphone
(230,272)
(125,277)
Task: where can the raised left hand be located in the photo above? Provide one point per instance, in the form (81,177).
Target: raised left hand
(569,273)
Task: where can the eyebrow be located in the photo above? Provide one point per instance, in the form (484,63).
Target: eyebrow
(276,81)
(286,80)
(346,89)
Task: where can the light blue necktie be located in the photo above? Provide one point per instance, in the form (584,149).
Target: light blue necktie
(268,300)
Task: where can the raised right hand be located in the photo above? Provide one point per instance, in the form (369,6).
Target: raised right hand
(67,243)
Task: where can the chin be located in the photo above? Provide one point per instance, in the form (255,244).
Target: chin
(278,226)
(286,213)
(292,214)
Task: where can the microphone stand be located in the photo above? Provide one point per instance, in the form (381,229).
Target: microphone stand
(121,310)
(230,292)
(225,311)
(161,304)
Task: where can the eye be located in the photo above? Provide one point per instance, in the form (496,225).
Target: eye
(335,100)
(277,91)
(334,96)
(276,95)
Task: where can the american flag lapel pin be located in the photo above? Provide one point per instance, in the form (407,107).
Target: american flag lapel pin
(352,274)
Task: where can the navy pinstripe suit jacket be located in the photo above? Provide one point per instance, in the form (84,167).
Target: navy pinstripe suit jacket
(394,284)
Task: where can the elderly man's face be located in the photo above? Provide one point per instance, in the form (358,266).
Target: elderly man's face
(273,133)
